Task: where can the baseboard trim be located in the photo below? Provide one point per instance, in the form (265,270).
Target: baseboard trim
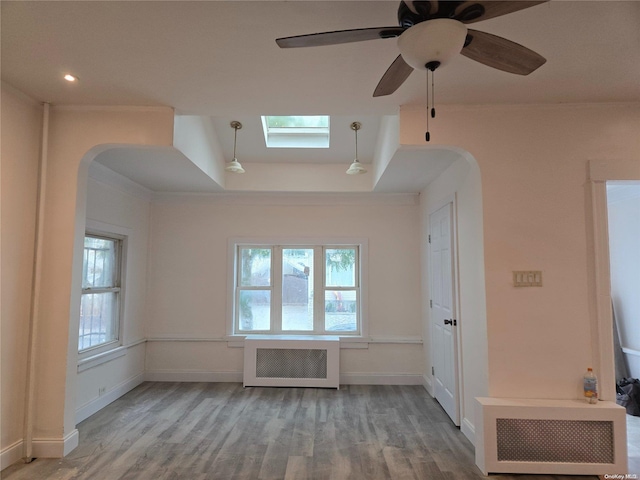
(630,351)
(55,447)
(112,395)
(236,377)
(469,430)
(41,448)
(192,376)
(380,379)
(427,384)
(11,454)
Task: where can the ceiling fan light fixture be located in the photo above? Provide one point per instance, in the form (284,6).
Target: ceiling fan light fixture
(437,40)
(234,165)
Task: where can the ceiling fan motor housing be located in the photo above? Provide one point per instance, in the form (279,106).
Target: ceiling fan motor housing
(437,40)
(412,12)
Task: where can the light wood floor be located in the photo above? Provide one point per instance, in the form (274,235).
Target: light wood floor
(633,444)
(219,431)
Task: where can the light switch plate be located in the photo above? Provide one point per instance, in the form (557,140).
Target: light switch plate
(527,278)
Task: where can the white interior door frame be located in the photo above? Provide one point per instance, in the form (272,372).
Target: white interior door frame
(601,171)
(451,199)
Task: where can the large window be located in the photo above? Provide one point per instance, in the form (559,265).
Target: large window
(100,303)
(297,289)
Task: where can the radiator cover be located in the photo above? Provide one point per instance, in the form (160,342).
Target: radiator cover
(559,437)
(549,441)
(292,361)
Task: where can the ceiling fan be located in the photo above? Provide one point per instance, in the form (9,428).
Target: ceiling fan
(430,33)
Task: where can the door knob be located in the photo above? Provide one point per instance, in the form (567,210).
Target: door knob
(448,322)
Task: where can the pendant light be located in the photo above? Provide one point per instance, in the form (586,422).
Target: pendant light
(356,168)
(234,165)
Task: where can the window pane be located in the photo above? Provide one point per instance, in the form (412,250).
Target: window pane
(297,289)
(97,319)
(340,267)
(340,313)
(298,121)
(255,310)
(296,131)
(98,262)
(255,267)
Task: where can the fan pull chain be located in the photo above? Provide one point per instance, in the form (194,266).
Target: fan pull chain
(431,67)
(427,135)
(433,95)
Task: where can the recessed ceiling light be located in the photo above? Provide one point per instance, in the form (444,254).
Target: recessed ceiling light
(70,78)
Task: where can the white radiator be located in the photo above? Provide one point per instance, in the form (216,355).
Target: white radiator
(292,361)
(563,437)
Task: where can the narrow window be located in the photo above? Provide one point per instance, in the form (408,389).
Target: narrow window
(101,291)
(341,287)
(297,289)
(254,289)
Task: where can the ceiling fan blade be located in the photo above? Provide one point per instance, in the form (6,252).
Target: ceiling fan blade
(339,36)
(478,10)
(500,53)
(395,76)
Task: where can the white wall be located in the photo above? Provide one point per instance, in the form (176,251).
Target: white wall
(77,136)
(115,210)
(189,279)
(534,166)
(301,177)
(21,129)
(196,137)
(624,251)
(462,181)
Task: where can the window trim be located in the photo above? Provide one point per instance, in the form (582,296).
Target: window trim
(292,242)
(111,232)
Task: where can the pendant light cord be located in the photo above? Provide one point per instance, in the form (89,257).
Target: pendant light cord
(356,130)
(235,137)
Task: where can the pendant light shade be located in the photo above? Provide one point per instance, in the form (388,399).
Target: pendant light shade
(234,165)
(356,167)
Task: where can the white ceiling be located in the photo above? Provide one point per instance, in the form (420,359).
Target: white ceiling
(219,59)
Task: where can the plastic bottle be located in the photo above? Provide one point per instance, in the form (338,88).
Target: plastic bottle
(590,383)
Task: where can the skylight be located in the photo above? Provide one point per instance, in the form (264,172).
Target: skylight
(300,131)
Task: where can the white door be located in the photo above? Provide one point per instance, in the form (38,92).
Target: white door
(443,314)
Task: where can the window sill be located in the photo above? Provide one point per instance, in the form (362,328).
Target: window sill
(98,359)
(237,341)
